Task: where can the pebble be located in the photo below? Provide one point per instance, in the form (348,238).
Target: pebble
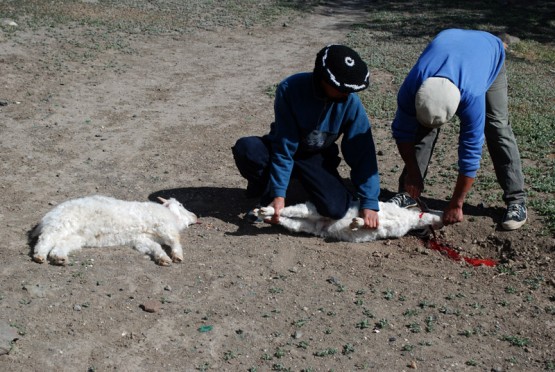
(8,22)
(152,306)
(77,308)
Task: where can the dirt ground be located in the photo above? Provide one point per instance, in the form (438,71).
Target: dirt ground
(157,116)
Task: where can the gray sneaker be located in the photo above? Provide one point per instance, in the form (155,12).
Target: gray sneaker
(252,217)
(515,216)
(423,233)
(403,201)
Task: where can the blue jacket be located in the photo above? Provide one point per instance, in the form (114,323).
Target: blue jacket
(471,60)
(305,121)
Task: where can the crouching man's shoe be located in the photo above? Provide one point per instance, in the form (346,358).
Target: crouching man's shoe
(403,200)
(252,217)
(515,216)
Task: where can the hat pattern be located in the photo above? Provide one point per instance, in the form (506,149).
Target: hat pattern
(343,68)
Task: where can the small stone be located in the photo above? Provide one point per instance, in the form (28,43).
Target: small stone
(77,308)
(8,22)
(152,306)
(167,288)
(297,335)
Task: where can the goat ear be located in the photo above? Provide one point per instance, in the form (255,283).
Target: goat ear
(162,200)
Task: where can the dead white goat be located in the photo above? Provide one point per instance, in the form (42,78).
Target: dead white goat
(101,221)
(394,222)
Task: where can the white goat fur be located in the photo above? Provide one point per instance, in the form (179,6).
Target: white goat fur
(394,222)
(101,221)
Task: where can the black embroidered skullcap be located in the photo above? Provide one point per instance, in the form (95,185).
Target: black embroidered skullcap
(342,68)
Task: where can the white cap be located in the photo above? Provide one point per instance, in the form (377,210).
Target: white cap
(436,101)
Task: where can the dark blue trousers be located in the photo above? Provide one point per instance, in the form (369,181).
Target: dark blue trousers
(316,172)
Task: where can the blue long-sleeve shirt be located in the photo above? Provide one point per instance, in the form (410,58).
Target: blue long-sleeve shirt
(469,59)
(306,121)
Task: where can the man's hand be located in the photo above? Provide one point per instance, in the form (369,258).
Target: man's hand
(452,214)
(278,204)
(414,184)
(370,217)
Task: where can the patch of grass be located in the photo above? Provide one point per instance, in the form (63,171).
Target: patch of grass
(504,269)
(159,17)
(410,312)
(546,207)
(510,290)
(348,349)
(534,283)
(430,323)
(280,367)
(388,294)
(414,327)
(279,353)
(425,304)
(299,323)
(516,340)
(368,313)
(381,324)
(363,324)
(325,352)
(228,355)
(407,347)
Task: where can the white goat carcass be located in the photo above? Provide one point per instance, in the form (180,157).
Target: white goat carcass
(394,222)
(101,221)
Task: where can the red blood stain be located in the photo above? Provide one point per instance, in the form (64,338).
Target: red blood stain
(437,245)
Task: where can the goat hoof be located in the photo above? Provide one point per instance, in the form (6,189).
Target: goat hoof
(266,212)
(39,259)
(164,262)
(177,258)
(60,261)
(357,223)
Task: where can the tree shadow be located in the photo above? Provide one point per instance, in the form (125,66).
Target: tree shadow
(531,19)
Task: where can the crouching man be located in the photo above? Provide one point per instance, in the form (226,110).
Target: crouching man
(461,72)
(312,110)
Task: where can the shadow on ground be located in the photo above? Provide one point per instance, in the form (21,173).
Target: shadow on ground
(526,19)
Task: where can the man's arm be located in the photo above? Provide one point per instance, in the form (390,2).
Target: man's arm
(453,213)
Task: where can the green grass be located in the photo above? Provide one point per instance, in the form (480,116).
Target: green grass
(144,17)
